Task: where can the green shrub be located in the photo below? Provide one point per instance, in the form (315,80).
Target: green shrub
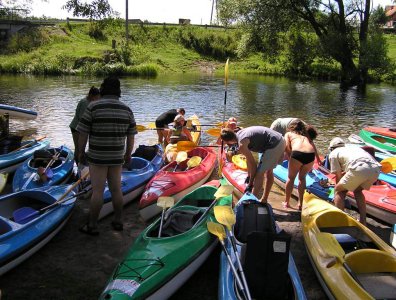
(27,40)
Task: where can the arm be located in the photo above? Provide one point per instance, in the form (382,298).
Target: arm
(82,143)
(316,154)
(251,162)
(129,147)
(187,133)
(288,148)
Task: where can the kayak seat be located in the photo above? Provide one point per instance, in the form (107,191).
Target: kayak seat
(350,238)
(137,163)
(179,221)
(146,152)
(4,227)
(198,202)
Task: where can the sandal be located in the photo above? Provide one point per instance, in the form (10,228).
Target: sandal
(117,226)
(88,230)
(285,205)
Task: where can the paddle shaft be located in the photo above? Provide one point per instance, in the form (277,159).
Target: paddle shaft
(51,162)
(29,144)
(161,222)
(61,199)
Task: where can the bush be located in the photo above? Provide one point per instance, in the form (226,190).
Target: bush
(27,40)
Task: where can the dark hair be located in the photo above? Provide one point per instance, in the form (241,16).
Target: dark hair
(93,91)
(181,111)
(110,86)
(297,126)
(311,132)
(227,135)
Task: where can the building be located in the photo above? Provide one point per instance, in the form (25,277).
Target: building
(390,12)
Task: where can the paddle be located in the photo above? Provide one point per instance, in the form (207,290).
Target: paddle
(193,162)
(26,214)
(214,132)
(218,230)
(189,145)
(181,156)
(222,191)
(353,138)
(47,170)
(225,215)
(164,202)
(389,164)
(29,144)
(152,125)
(225,106)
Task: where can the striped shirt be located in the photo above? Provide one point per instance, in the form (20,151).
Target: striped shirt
(108,122)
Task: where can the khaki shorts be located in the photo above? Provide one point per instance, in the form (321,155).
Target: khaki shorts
(364,178)
(272,157)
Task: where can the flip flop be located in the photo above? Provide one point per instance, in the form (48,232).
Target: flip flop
(88,230)
(285,205)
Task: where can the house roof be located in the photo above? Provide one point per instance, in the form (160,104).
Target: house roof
(391,12)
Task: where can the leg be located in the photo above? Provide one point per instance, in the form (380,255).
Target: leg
(361,203)
(294,167)
(269,181)
(160,133)
(98,179)
(114,180)
(302,182)
(339,196)
(258,183)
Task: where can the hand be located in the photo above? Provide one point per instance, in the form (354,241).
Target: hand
(247,179)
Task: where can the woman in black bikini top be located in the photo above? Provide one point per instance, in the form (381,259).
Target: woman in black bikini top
(302,152)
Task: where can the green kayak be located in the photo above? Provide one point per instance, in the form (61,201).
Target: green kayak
(154,268)
(379,142)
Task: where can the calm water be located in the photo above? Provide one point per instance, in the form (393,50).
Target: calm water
(254,100)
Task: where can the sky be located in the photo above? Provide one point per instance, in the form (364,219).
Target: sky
(169,11)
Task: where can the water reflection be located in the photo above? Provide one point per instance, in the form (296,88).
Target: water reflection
(254,100)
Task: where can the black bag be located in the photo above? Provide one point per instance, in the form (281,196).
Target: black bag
(266,264)
(252,216)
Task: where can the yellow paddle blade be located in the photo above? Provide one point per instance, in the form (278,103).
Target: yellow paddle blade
(226,72)
(152,125)
(165,202)
(217,230)
(185,146)
(391,161)
(225,215)
(194,161)
(239,161)
(189,123)
(386,167)
(214,132)
(141,128)
(224,191)
(181,156)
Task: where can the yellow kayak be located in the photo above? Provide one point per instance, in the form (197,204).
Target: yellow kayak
(171,149)
(350,260)
(239,161)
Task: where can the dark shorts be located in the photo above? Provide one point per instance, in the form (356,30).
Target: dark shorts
(303,157)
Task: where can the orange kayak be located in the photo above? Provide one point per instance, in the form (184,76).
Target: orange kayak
(386,131)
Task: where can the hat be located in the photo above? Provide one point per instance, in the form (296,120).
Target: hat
(232,120)
(336,142)
(179,118)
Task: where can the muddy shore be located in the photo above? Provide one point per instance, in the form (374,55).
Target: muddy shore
(76,266)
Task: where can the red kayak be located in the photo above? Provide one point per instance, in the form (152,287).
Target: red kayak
(177,184)
(380,200)
(386,131)
(235,176)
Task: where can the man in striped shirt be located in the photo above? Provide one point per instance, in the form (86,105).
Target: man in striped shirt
(108,123)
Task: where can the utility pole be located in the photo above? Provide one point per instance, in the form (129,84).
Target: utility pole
(211,14)
(126,21)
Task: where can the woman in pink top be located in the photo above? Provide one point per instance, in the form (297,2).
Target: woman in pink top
(301,152)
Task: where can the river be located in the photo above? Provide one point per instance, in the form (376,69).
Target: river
(254,100)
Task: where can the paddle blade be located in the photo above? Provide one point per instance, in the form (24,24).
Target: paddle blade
(391,161)
(165,202)
(141,128)
(386,167)
(214,132)
(181,156)
(217,230)
(24,215)
(225,215)
(185,146)
(152,125)
(224,191)
(194,161)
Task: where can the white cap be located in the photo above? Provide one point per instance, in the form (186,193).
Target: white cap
(336,142)
(179,118)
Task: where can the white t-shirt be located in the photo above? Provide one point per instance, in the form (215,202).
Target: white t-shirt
(345,158)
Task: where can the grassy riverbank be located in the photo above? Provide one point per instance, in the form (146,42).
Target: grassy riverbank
(86,49)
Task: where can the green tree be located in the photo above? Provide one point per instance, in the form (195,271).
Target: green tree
(342,27)
(97,9)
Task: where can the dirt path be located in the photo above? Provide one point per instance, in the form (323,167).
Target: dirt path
(76,266)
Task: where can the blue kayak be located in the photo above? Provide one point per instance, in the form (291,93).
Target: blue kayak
(26,176)
(17,112)
(10,161)
(145,162)
(292,287)
(22,234)
(387,177)
(313,180)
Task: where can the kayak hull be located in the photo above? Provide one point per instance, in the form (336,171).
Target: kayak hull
(379,142)
(386,131)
